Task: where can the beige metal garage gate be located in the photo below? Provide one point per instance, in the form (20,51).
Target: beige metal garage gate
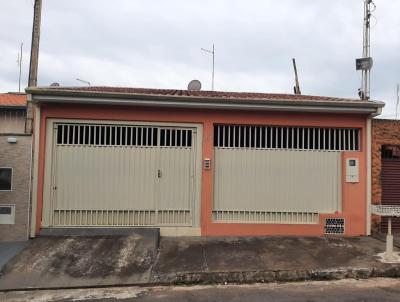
(122,175)
(275,174)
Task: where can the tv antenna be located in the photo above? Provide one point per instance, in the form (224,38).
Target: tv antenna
(83,81)
(297,86)
(365,63)
(194,85)
(19,63)
(213,63)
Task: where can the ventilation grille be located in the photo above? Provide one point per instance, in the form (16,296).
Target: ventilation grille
(121,218)
(121,135)
(265,217)
(274,137)
(334,226)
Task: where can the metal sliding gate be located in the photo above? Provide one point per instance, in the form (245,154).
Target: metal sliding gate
(122,175)
(390,181)
(277,174)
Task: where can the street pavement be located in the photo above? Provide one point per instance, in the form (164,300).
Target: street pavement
(380,289)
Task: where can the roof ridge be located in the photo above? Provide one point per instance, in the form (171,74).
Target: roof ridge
(184,92)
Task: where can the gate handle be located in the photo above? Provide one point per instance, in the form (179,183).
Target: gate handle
(159,173)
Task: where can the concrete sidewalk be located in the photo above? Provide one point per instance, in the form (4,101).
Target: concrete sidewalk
(81,261)
(9,250)
(269,259)
(62,262)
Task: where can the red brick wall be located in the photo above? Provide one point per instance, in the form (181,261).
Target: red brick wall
(384,132)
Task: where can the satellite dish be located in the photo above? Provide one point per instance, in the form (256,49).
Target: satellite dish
(55,84)
(194,85)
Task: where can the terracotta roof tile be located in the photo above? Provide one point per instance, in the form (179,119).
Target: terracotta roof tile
(203,93)
(13,100)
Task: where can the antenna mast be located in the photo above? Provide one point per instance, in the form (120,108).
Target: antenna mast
(83,81)
(213,64)
(365,63)
(398,99)
(19,62)
(297,87)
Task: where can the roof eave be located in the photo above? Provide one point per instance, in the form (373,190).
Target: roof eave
(124,95)
(210,103)
(12,107)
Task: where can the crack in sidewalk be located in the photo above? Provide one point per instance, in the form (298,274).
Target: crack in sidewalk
(204,256)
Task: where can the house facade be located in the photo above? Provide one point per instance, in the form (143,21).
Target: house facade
(15,164)
(200,162)
(385,169)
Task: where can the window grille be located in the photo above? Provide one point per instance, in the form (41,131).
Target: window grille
(390,152)
(122,135)
(12,115)
(265,217)
(175,138)
(120,217)
(6,179)
(278,137)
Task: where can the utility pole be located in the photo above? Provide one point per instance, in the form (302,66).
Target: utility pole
(33,66)
(20,68)
(297,87)
(213,64)
(365,63)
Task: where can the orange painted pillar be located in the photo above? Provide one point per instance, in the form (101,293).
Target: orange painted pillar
(40,176)
(207,177)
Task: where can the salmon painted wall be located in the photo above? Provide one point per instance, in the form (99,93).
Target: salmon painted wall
(353,195)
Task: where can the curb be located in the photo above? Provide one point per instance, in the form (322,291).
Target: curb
(248,277)
(277,276)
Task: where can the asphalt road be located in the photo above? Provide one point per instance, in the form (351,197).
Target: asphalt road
(344,290)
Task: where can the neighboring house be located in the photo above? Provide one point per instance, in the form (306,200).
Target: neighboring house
(15,160)
(201,162)
(386,168)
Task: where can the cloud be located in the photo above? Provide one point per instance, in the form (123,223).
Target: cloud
(157,43)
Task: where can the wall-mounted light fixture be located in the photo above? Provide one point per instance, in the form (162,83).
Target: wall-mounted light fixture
(12,140)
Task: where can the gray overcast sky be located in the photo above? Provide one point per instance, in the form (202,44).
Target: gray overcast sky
(156,43)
